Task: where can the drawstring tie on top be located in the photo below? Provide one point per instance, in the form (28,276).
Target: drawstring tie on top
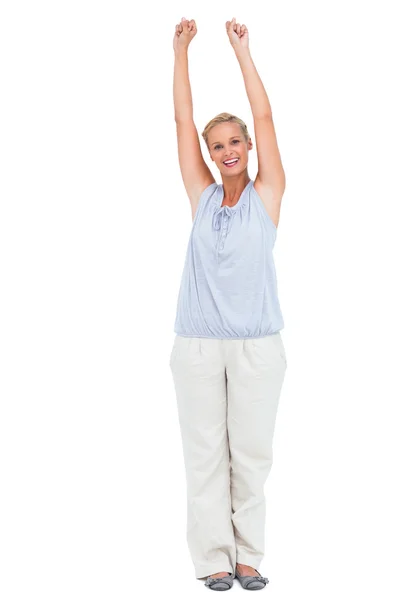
(219,215)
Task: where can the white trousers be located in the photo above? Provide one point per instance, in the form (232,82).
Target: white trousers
(227,395)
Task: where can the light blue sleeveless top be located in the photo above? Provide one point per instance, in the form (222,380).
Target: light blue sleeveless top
(228,288)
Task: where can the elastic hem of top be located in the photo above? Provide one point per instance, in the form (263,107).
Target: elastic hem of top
(214,337)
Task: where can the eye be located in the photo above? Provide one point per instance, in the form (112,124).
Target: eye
(219,145)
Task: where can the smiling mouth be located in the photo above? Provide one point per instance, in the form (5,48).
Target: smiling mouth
(231,164)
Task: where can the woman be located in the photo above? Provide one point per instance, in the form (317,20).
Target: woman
(228,360)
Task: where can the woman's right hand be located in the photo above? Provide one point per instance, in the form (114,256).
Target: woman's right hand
(184,33)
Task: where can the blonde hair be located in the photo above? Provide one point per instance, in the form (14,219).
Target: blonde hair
(224,118)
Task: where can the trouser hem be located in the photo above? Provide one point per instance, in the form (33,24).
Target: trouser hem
(249,560)
(207,570)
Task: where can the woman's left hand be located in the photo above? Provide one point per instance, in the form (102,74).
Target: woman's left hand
(238,34)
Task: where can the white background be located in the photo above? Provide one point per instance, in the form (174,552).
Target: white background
(94,226)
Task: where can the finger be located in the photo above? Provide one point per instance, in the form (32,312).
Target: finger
(232,26)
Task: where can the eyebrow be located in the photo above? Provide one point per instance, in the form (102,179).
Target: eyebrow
(231,138)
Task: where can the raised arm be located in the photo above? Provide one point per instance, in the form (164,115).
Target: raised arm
(195,173)
(270,180)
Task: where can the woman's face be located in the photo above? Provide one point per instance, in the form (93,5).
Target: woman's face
(226,141)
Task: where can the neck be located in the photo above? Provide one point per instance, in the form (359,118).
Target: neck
(233,187)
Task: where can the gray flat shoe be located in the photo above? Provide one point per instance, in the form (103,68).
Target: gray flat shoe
(252,582)
(220,583)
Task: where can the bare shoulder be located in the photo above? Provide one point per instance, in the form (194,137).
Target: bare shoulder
(271,197)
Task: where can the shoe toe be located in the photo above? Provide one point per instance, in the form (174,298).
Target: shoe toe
(250,582)
(255,585)
(219,583)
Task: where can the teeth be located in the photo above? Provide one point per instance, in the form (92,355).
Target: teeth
(229,162)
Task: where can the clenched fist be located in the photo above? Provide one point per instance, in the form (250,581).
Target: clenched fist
(184,33)
(238,34)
